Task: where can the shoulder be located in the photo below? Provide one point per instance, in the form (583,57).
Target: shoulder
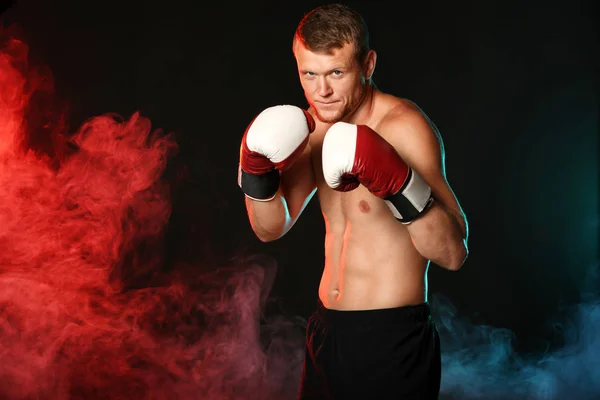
(412,134)
(404,115)
(405,122)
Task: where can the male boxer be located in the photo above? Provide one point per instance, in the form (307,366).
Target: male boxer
(377,164)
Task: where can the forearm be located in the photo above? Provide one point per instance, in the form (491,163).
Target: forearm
(269,219)
(440,236)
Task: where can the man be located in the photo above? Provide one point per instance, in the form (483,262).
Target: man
(377,164)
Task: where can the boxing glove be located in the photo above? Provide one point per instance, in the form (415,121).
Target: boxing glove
(355,154)
(272,142)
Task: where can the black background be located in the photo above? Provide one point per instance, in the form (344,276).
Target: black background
(511,86)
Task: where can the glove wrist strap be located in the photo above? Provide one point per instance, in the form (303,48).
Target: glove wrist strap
(412,200)
(261,187)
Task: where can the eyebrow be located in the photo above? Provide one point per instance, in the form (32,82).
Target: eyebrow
(340,68)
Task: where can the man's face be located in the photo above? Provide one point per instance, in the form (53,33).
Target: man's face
(332,83)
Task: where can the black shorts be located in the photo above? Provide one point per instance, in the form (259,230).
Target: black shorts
(375,354)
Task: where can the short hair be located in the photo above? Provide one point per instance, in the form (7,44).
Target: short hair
(330,27)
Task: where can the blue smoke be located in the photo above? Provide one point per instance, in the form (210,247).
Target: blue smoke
(480,362)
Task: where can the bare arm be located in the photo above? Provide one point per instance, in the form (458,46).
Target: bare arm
(270,220)
(440,236)
(441,233)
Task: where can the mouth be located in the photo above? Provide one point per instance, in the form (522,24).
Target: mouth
(326,104)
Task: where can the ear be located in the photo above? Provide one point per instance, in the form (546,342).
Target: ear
(369,64)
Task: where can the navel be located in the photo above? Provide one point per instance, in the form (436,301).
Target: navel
(364,206)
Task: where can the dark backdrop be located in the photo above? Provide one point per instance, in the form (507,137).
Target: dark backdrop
(511,86)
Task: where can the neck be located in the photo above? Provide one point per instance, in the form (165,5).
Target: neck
(364,108)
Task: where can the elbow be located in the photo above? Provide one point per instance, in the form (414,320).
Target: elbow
(459,256)
(266,237)
(266,234)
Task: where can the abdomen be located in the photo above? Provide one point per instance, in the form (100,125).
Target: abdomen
(370,261)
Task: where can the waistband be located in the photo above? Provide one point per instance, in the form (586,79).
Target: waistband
(407,314)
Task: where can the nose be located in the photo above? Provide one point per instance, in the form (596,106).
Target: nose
(324,89)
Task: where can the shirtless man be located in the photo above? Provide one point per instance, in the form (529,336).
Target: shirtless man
(376,163)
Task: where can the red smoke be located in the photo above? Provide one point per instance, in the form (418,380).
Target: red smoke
(76,235)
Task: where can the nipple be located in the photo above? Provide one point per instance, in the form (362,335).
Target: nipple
(364,206)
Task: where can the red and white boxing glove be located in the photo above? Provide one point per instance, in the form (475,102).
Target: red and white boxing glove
(355,154)
(272,143)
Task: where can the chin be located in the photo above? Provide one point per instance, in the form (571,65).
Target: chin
(329,120)
(329,117)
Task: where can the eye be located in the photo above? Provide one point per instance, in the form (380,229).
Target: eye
(337,72)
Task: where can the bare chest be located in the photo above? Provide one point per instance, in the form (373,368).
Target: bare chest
(339,208)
